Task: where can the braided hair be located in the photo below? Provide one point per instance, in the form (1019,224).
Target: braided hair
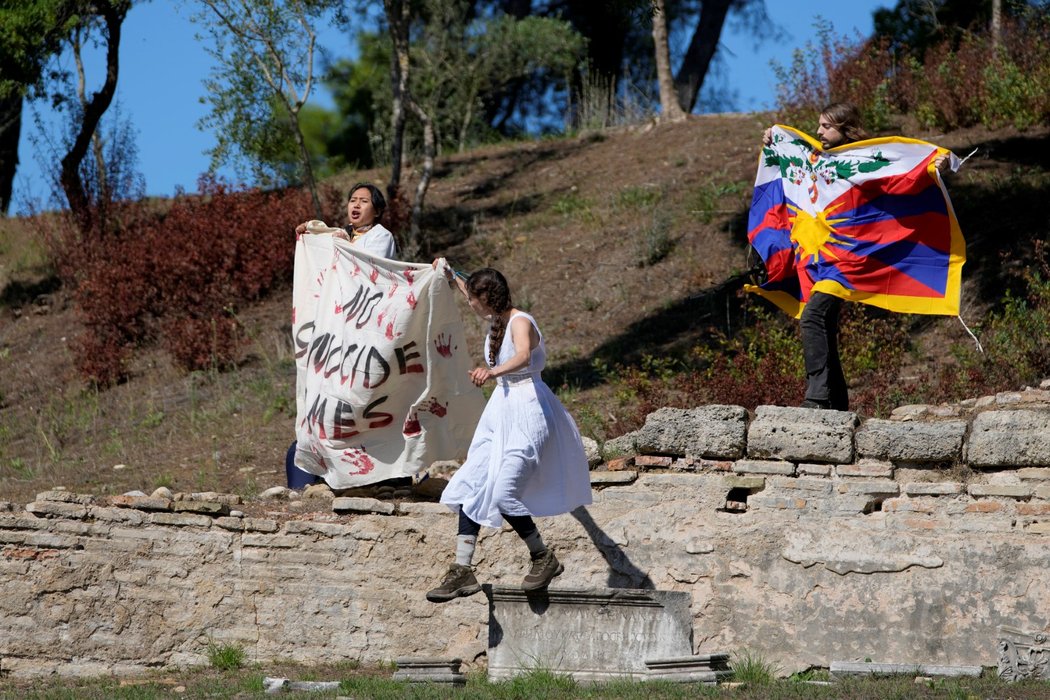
(490,286)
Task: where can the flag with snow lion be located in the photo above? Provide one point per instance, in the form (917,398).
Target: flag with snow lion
(382,383)
(868,221)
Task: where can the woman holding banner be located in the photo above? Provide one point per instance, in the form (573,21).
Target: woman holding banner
(364,208)
(526,458)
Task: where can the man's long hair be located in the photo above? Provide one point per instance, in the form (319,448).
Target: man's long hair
(845,117)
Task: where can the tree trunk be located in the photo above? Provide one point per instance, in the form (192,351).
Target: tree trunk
(997,23)
(397,16)
(670,110)
(701,49)
(102,195)
(308,167)
(72,184)
(10,131)
(417,245)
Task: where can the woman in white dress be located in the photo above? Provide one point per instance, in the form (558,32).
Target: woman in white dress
(526,458)
(364,208)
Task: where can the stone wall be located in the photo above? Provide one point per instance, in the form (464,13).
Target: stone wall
(809,536)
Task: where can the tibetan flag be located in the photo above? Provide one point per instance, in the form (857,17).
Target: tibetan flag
(868,221)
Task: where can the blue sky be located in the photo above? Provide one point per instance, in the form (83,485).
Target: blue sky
(162,68)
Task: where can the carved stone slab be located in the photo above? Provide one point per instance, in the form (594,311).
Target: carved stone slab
(418,669)
(709,669)
(1023,654)
(593,635)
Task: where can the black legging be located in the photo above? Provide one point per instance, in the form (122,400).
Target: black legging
(522,524)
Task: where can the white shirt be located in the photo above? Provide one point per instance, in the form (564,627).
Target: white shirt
(378,241)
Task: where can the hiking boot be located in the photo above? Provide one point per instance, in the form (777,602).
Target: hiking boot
(545,566)
(458,582)
(815,403)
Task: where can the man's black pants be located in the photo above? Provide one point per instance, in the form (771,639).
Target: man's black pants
(825,384)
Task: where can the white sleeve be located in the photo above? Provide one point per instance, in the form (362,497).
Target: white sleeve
(379,242)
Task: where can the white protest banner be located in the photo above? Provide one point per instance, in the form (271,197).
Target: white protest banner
(382,384)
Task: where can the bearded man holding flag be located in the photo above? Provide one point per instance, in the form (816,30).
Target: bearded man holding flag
(842,217)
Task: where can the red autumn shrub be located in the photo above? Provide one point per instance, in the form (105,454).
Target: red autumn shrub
(178,276)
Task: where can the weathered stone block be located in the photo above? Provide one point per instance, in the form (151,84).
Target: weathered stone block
(228,523)
(592,635)
(939,488)
(843,555)
(140,503)
(260,525)
(1004,490)
(751,483)
(213,508)
(413,508)
(679,484)
(1036,474)
(416,669)
(875,488)
(309,527)
(805,469)
(180,519)
(776,503)
(909,505)
(352,504)
(861,668)
(867,468)
(713,432)
(1033,508)
(801,435)
(661,461)
(617,477)
(59,496)
(759,466)
(939,441)
(811,487)
(702,668)
(1018,438)
(57,509)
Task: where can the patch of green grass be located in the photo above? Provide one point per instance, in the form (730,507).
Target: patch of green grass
(20,468)
(709,199)
(751,668)
(166,481)
(572,205)
(638,198)
(153,418)
(226,657)
(375,682)
(654,242)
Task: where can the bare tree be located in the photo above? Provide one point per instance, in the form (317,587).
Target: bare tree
(112,15)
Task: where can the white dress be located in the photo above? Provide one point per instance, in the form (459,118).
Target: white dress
(526,457)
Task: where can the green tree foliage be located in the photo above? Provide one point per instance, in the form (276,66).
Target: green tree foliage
(31,31)
(463,68)
(264,74)
(361,91)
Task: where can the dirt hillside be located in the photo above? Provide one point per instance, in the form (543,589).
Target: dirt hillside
(622,243)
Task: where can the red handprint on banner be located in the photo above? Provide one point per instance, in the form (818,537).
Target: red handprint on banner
(358,460)
(444,347)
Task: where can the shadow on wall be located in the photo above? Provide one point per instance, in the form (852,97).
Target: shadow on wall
(622,571)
